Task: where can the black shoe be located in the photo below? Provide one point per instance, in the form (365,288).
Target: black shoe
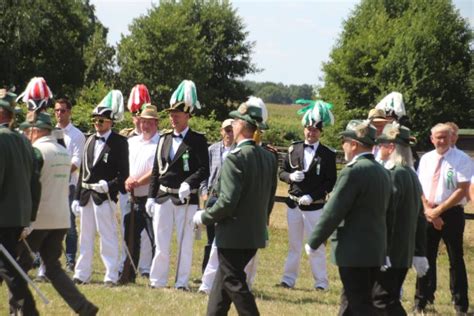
(284,285)
(182,288)
(89,310)
(146,275)
(320,289)
(78,282)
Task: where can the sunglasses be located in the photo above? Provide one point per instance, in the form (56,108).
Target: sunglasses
(99,120)
(62,111)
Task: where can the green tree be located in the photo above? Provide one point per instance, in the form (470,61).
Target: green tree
(50,38)
(203,41)
(419,48)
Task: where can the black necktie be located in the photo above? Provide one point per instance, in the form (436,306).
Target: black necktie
(99,138)
(308,146)
(178,136)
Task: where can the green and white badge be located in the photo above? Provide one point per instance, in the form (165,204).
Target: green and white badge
(186,161)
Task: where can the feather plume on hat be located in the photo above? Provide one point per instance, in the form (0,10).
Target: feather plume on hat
(36,95)
(316,111)
(392,104)
(138,97)
(111,106)
(185,97)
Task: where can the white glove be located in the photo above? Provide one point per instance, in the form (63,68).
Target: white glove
(184,191)
(306,200)
(101,187)
(297,176)
(387,264)
(197,218)
(421,266)
(26,231)
(75,208)
(309,251)
(150,206)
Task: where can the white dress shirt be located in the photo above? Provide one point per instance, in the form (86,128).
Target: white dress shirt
(309,155)
(99,144)
(455,168)
(141,155)
(74,140)
(177,142)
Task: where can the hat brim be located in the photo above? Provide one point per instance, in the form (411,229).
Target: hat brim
(365,140)
(148,117)
(248,119)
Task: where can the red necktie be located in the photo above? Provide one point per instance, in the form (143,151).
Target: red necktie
(435,181)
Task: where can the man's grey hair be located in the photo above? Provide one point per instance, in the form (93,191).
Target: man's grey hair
(441,127)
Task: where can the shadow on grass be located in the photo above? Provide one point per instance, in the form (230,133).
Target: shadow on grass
(281,296)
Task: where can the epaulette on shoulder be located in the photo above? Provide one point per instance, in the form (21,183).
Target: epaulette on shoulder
(235,150)
(297,142)
(270,148)
(125,131)
(166,131)
(331,149)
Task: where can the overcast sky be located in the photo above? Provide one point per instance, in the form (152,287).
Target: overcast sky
(292,38)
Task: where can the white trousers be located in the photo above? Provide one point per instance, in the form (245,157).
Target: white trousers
(211,270)
(300,226)
(166,216)
(101,219)
(144,263)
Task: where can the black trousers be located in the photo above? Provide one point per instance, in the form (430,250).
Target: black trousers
(21,299)
(386,294)
(452,235)
(142,221)
(211,231)
(49,244)
(356,296)
(230,284)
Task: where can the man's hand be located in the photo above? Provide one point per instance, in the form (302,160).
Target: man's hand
(150,206)
(130,184)
(306,200)
(297,176)
(421,266)
(387,264)
(184,191)
(432,212)
(197,218)
(101,187)
(26,231)
(76,208)
(309,251)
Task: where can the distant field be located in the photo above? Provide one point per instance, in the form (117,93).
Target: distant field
(140,300)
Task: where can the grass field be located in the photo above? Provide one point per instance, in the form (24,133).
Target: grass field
(139,299)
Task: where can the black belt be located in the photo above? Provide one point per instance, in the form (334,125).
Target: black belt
(140,199)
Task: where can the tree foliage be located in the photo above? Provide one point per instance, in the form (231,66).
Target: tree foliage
(279,93)
(203,41)
(60,40)
(419,48)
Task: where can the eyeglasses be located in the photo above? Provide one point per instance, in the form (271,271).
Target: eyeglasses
(62,111)
(99,120)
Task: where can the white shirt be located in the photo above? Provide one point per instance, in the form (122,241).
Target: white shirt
(141,155)
(309,155)
(225,152)
(74,140)
(455,168)
(177,142)
(99,144)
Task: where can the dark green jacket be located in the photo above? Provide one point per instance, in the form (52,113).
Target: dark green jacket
(246,190)
(20,189)
(406,223)
(356,213)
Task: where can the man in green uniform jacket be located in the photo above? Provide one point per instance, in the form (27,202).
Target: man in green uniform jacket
(406,223)
(246,190)
(356,212)
(20,192)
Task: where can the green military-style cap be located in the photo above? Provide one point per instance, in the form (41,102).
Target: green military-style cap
(361,131)
(251,114)
(7,100)
(396,133)
(38,120)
